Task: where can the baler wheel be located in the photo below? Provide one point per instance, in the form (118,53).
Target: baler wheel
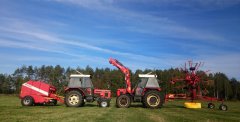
(27,101)
(73,99)
(123,101)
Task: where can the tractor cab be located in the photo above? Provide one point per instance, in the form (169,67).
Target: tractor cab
(83,82)
(80,81)
(146,81)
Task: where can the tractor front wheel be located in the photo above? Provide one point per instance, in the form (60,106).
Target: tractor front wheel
(153,99)
(73,99)
(104,103)
(27,101)
(123,101)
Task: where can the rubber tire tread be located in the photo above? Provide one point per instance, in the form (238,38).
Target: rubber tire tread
(161,96)
(80,99)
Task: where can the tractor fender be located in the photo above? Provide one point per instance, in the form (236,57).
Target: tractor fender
(153,89)
(75,89)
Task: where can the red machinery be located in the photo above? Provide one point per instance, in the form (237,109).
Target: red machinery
(80,90)
(37,92)
(192,82)
(147,90)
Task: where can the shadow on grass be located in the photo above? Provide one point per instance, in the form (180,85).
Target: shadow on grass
(173,106)
(137,106)
(49,105)
(90,105)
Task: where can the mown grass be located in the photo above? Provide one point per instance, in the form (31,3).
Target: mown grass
(11,110)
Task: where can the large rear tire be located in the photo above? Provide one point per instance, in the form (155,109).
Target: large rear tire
(123,101)
(153,99)
(27,101)
(73,99)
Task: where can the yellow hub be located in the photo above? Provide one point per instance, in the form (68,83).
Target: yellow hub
(192,105)
(73,99)
(153,100)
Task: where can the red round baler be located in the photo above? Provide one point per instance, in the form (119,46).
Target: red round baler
(38,92)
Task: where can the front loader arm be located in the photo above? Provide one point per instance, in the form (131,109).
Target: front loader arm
(124,70)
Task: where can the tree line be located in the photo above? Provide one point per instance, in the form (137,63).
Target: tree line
(217,84)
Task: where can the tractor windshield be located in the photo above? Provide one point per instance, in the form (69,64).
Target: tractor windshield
(75,82)
(142,83)
(83,82)
(148,82)
(87,83)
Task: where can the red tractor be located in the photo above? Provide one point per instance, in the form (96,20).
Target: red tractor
(146,91)
(80,90)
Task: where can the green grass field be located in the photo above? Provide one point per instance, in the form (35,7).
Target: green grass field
(11,110)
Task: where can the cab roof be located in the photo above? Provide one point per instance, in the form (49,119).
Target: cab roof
(146,76)
(79,75)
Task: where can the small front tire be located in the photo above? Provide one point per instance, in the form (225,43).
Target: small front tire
(103,103)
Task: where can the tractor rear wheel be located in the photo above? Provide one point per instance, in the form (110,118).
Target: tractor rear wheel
(123,101)
(153,99)
(27,101)
(73,99)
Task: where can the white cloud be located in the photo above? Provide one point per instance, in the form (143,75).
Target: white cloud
(35,37)
(42,40)
(227,63)
(147,23)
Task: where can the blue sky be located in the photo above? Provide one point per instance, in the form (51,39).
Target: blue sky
(155,34)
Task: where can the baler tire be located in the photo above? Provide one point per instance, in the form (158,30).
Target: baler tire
(154,95)
(75,95)
(121,104)
(27,101)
